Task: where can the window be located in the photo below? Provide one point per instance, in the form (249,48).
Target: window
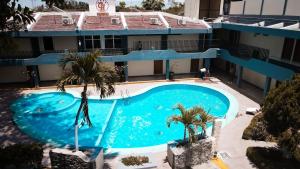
(296,57)
(113,42)
(92,42)
(287,50)
(48,43)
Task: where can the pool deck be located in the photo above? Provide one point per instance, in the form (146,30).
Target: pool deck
(230,141)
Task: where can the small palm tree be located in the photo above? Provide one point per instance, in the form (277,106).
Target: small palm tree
(85,70)
(204,119)
(188,118)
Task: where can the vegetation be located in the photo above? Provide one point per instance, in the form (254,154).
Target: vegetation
(270,158)
(68,5)
(176,9)
(85,70)
(257,130)
(135,160)
(280,118)
(21,156)
(122,4)
(155,5)
(191,119)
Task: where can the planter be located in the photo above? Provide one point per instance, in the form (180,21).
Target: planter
(195,154)
(67,159)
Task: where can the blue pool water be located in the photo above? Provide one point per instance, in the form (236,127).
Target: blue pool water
(137,121)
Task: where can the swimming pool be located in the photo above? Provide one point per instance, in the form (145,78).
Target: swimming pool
(121,123)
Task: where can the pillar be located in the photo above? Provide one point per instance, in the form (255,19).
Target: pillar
(167,69)
(126,71)
(239,75)
(216,131)
(207,63)
(267,85)
(35,76)
(102,39)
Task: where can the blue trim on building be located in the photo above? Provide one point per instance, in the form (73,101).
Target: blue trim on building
(259,66)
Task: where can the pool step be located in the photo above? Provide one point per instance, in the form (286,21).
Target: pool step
(108,117)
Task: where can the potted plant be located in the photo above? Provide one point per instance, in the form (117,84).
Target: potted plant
(196,148)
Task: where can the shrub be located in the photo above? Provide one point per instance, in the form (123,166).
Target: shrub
(290,141)
(257,130)
(270,158)
(135,160)
(22,156)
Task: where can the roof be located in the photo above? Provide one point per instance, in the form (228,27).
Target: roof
(119,22)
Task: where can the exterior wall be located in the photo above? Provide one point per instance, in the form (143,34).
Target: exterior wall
(293,8)
(62,43)
(273,43)
(273,7)
(253,7)
(191,8)
(236,7)
(10,74)
(180,65)
(140,68)
(155,41)
(41,44)
(254,78)
(49,72)
(23,44)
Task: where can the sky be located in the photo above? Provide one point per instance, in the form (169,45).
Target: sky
(33,3)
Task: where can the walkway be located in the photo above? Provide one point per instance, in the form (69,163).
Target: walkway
(230,141)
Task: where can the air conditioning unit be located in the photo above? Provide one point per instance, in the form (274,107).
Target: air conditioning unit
(154,21)
(67,20)
(115,21)
(181,22)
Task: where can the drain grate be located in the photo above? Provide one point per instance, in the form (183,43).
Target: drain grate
(224,155)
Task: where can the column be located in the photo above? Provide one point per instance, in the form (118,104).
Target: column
(216,132)
(35,76)
(126,71)
(167,69)
(207,63)
(102,39)
(267,85)
(239,75)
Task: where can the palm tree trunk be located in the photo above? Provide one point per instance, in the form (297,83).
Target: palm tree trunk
(83,100)
(184,135)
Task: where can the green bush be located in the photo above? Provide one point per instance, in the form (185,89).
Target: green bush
(270,158)
(22,156)
(257,130)
(135,160)
(281,107)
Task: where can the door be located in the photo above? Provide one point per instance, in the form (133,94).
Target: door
(158,67)
(48,43)
(194,65)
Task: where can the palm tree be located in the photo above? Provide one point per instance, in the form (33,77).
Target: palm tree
(204,119)
(85,70)
(188,118)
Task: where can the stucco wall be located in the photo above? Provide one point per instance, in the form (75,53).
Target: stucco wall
(191,8)
(180,65)
(10,74)
(23,44)
(254,78)
(253,7)
(147,41)
(236,7)
(273,43)
(49,72)
(62,43)
(273,7)
(140,68)
(293,8)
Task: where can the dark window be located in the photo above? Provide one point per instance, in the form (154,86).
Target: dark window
(117,42)
(296,57)
(97,42)
(48,43)
(287,49)
(109,41)
(88,42)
